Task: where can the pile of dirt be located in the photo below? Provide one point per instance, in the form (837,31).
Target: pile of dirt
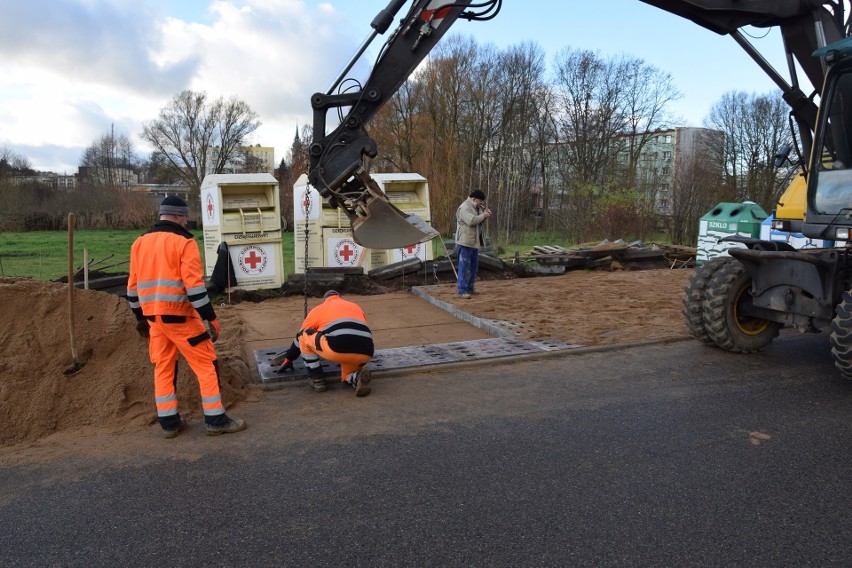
(114,389)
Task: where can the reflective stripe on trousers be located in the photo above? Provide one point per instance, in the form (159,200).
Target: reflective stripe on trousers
(187,338)
(349,362)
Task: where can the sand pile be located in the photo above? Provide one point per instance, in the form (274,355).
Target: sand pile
(114,389)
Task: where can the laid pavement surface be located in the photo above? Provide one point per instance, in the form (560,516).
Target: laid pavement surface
(464,338)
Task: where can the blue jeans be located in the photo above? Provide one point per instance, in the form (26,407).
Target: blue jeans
(468,264)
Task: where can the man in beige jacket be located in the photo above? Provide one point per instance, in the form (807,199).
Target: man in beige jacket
(470,216)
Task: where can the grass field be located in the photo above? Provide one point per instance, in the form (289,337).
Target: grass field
(43,255)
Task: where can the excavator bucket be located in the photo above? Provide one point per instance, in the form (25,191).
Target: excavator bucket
(377,223)
(383,226)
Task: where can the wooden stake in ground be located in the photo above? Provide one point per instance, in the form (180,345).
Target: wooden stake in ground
(75,366)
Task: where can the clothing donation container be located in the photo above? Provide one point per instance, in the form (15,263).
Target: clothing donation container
(329,234)
(243,211)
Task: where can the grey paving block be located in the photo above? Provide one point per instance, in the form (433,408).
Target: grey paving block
(418,356)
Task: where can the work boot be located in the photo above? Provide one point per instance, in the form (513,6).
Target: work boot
(360,380)
(317,383)
(173,432)
(228,427)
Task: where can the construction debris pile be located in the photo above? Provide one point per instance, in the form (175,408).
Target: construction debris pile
(539,261)
(611,255)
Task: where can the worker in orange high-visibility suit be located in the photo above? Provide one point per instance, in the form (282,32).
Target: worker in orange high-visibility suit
(337,331)
(167,294)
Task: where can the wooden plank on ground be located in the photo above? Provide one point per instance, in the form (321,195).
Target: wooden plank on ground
(491,263)
(407,266)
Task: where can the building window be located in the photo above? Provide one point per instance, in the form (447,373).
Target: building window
(667,155)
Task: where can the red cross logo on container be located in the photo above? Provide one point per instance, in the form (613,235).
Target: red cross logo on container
(253,260)
(346,253)
(210,208)
(306,202)
(410,251)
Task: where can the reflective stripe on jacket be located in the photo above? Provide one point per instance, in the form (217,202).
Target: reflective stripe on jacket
(343,324)
(166,277)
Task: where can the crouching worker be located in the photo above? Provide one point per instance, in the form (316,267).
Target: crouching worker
(167,295)
(336,331)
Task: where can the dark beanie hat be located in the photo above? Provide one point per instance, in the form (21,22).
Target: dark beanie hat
(329,294)
(174,205)
(477,194)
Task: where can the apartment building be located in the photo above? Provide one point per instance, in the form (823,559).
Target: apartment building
(669,153)
(60,182)
(263,158)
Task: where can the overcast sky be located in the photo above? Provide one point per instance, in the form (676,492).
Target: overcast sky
(72,68)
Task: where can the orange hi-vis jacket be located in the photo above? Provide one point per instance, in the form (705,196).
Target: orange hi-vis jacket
(342,323)
(168,279)
(166,288)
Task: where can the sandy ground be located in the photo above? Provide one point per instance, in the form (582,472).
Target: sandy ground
(582,307)
(113,391)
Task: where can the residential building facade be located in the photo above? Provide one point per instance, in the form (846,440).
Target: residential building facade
(668,153)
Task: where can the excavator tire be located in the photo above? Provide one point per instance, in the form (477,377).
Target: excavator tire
(841,335)
(693,299)
(726,293)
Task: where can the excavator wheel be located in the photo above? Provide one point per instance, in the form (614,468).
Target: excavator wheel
(727,292)
(694,296)
(841,335)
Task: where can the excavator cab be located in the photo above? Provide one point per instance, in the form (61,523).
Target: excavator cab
(829,214)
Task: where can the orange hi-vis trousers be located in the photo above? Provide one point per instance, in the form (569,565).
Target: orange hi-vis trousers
(349,362)
(190,339)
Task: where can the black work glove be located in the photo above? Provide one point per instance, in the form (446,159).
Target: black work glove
(142,328)
(287,365)
(213,329)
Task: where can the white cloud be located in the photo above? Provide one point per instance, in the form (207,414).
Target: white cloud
(72,69)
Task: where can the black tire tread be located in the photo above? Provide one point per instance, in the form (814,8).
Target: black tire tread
(694,294)
(841,336)
(723,287)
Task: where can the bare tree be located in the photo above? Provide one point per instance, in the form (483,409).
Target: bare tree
(158,169)
(291,168)
(198,136)
(395,127)
(590,121)
(697,186)
(519,143)
(109,161)
(755,128)
(13,163)
(646,93)
(15,198)
(445,88)
(477,118)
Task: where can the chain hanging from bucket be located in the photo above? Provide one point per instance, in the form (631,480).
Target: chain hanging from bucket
(306,203)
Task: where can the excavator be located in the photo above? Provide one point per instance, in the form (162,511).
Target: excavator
(738,302)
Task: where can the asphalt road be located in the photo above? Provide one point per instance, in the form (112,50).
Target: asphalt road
(668,455)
